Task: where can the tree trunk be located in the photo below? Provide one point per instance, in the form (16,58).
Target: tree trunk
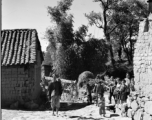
(131,51)
(110,50)
(107,35)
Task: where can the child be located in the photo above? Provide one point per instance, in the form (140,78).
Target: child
(123,95)
(102,106)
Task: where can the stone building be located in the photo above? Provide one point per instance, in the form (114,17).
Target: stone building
(21,59)
(143,55)
(47,65)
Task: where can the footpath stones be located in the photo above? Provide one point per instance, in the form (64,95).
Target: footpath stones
(146,116)
(134,105)
(140,108)
(148,107)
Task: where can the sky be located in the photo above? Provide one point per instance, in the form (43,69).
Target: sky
(20,14)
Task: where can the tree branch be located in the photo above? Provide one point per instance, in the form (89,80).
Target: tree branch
(114,28)
(100,26)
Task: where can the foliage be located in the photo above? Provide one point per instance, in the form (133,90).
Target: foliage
(119,20)
(127,16)
(95,55)
(47,58)
(61,37)
(80,34)
(70,53)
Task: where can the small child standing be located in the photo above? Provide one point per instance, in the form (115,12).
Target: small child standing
(102,106)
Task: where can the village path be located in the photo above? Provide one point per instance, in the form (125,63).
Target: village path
(90,112)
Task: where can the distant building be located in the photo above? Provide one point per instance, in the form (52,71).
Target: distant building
(21,59)
(47,64)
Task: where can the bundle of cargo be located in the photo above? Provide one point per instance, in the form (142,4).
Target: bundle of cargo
(69,88)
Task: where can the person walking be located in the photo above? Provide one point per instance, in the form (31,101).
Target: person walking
(123,92)
(102,111)
(132,85)
(111,91)
(89,96)
(117,91)
(127,79)
(100,91)
(100,98)
(54,93)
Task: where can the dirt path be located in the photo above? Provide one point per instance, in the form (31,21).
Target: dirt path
(76,112)
(87,113)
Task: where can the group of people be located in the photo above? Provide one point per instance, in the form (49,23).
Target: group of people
(120,89)
(117,88)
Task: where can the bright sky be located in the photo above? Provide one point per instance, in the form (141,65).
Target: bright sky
(33,14)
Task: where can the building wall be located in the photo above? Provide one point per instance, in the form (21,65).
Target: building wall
(17,83)
(143,57)
(37,67)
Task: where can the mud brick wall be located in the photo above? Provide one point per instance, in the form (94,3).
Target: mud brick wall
(17,83)
(143,57)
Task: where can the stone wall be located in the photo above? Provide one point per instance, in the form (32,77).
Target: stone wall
(17,83)
(143,57)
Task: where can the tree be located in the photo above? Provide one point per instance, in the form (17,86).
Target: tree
(119,20)
(101,21)
(70,53)
(95,55)
(61,36)
(127,14)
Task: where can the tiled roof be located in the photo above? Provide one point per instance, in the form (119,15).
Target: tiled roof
(18,46)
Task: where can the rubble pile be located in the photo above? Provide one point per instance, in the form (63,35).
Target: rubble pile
(138,107)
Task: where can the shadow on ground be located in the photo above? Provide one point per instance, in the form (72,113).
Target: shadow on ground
(86,118)
(114,115)
(73,106)
(91,118)
(63,107)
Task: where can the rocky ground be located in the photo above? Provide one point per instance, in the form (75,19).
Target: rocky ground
(76,111)
(87,113)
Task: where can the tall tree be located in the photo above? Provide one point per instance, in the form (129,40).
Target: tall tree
(95,55)
(127,14)
(101,20)
(61,36)
(116,15)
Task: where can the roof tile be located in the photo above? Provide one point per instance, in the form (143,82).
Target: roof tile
(19,46)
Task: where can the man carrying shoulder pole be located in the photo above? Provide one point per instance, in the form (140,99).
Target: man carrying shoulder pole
(54,93)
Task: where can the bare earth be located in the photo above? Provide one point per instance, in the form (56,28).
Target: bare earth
(90,112)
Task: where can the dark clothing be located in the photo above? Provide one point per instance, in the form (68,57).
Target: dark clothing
(100,90)
(110,97)
(89,96)
(111,91)
(132,87)
(123,93)
(55,89)
(116,94)
(88,89)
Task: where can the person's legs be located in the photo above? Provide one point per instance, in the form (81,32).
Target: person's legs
(97,100)
(53,104)
(90,98)
(110,96)
(57,104)
(100,110)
